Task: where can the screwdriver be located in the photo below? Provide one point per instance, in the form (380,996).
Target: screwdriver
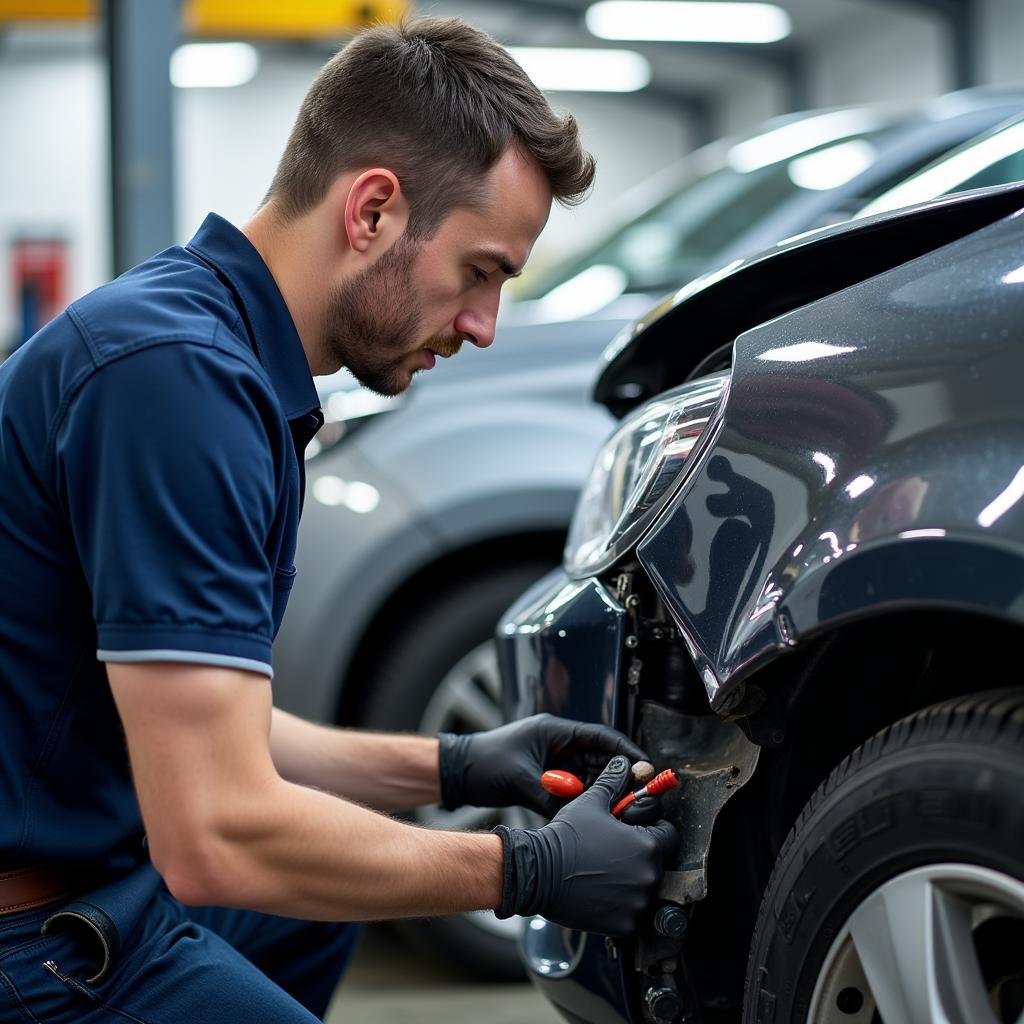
(565,784)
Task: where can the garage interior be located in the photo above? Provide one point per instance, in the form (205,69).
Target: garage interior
(124,122)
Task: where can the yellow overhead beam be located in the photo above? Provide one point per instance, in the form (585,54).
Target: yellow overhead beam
(45,10)
(310,19)
(269,19)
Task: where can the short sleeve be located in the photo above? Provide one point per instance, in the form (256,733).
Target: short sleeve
(165,464)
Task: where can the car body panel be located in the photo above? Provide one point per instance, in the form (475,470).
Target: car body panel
(660,350)
(850,427)
(561,650)
(331,610)
(581,974)
(589,638)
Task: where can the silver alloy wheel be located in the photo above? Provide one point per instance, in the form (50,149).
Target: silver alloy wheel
(468,699)
(908,951)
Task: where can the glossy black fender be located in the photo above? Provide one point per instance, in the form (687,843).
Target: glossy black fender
(871,457)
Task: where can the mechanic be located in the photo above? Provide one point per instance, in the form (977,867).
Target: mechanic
(151,452)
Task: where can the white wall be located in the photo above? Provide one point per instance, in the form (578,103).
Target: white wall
(1000,26)
(742,108)
(53,178)
(882,53)
(868,52)
(228,141)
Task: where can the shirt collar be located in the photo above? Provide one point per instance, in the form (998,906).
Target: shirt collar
(264,311)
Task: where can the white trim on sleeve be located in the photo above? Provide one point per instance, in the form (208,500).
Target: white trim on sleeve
(195,657)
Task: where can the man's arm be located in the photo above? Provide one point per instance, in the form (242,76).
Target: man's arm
(387,771)
(225,828)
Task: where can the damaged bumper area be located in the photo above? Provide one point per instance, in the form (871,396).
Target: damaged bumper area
(571,648)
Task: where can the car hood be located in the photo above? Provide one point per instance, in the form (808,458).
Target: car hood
(691,331)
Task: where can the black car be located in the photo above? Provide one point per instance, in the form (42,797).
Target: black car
(796,576)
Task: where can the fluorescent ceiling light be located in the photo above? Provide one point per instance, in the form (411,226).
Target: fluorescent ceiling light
(686,21)
(213,65)
(799,136)
(952,172)
(575,70)
(832,167)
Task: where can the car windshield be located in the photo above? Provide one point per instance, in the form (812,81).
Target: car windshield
(995,158)
(681,236)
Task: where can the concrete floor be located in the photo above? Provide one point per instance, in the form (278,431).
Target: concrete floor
(388,983)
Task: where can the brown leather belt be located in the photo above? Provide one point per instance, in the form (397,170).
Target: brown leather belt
(27,888)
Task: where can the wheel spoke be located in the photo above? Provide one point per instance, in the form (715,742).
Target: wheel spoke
(459,698)
(962,992)
(485,670)
(914,943)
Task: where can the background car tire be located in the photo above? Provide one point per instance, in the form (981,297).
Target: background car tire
(441,674)
(912,840)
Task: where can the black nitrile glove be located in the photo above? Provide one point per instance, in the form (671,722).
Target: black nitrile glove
(586,869)
(502,767)
(645,811)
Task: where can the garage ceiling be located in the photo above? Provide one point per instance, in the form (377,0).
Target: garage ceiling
(695,76)
(686,70)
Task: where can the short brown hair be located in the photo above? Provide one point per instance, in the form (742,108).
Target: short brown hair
(437,102)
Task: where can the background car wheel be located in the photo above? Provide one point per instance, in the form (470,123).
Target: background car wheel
(442,675)
(899,895)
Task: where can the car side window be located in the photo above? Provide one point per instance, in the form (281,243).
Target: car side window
(1002,172)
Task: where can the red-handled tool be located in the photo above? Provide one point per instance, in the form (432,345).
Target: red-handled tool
(567,785)
(559,783)
(661,783)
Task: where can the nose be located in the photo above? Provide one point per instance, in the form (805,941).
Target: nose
(476,323)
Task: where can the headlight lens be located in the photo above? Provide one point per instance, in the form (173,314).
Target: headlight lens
(638,470)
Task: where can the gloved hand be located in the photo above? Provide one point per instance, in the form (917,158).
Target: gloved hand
(586,869)
(502,767)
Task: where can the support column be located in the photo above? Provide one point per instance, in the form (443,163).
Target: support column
(140,38)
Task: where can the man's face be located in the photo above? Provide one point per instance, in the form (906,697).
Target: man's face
(421,300)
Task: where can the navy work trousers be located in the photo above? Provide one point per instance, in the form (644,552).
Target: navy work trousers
(163,963)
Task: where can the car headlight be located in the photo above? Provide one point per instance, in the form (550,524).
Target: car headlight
(638,470)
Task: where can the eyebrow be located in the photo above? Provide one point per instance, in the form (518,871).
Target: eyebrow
(505,265)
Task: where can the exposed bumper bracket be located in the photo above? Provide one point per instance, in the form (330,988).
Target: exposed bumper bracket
(714,760)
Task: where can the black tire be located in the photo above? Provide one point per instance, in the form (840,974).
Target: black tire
(936,795)
(426,648)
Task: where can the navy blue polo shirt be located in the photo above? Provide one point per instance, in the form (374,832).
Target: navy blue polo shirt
(151,443)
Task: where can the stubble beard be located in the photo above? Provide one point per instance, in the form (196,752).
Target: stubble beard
(374,319)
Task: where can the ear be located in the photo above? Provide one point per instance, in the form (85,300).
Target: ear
(375,210)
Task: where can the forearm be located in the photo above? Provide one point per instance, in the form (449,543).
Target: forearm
(298,852)
(390,772)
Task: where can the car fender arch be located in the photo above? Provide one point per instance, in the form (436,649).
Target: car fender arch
(969,574)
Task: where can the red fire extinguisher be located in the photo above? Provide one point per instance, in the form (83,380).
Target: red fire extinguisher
(40,280)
